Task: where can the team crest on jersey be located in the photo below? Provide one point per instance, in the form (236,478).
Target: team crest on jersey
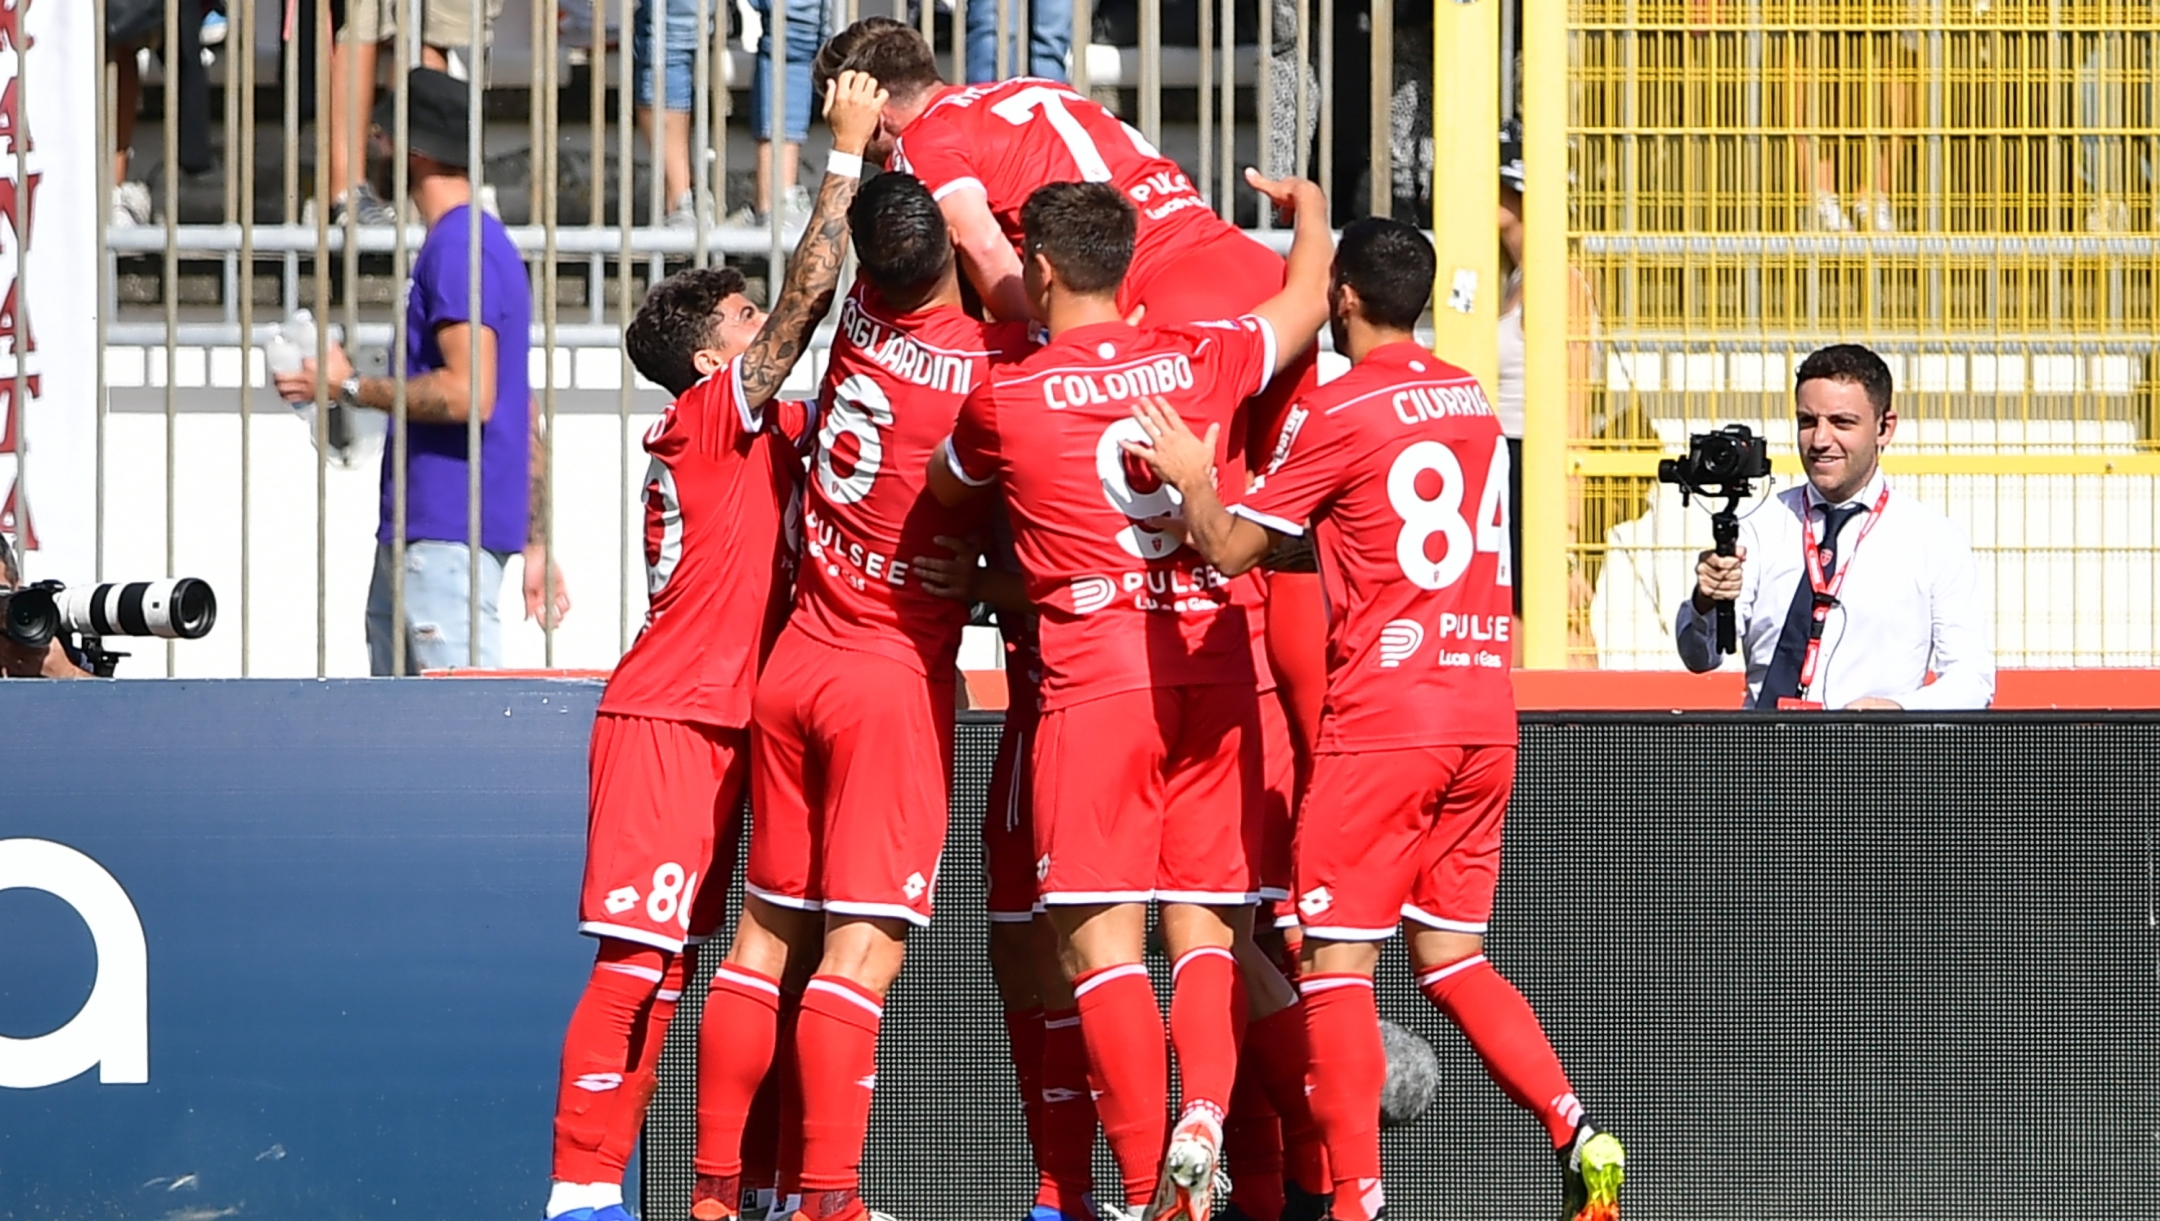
(1091,594)
(1399,638)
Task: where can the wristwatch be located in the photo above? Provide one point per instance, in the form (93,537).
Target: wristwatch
(349,391)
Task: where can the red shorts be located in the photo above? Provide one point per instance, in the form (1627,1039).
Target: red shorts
(850,754)
(1008,825)
(1390,835)
(665,816)
(1223,278)
(1278,797)
(1149,794)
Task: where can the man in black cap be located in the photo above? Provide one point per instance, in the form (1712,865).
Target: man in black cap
(446,339)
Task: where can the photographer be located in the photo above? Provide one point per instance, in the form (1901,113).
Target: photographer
(1845,595)
(53,660)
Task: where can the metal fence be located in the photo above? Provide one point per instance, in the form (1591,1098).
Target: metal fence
(1994,208)
(566,160)
(1968,188)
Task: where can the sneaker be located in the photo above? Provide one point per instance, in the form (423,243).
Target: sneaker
(795,210)
(366,207)
(747,217)
(1830,213)
(1187,1188)
(685,213)
(213,29)
(612,1212)
(130,205)
(1591,1170)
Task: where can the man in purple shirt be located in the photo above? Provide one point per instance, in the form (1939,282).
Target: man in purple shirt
(443,340)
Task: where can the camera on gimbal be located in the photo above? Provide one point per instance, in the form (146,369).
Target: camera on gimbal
(1718,463)
(1723,463)
(173,609)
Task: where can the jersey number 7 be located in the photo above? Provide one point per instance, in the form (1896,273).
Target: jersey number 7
(1021,108)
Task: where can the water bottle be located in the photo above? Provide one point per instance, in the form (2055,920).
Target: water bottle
(291,343)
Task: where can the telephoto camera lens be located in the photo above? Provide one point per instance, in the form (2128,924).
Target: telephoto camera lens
(181,608)
(32,619)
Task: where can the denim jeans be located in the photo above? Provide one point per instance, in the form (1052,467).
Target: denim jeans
(436,616)
(805,34)
(683,36)
(1048,36)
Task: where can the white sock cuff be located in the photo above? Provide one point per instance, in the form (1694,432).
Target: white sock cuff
(1205,951)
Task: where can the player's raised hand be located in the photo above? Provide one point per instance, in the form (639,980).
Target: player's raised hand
(1177,456)
(1287,193)
(949,577)
(853,104)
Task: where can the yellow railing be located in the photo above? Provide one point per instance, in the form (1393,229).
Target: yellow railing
(1973,189)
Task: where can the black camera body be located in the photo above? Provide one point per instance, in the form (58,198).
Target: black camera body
(1721,463)
(1725,464)
(175,609)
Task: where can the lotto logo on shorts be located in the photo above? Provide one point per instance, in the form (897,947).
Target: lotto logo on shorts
(621,899)
(1316,901)
(1042,868)
(915,886)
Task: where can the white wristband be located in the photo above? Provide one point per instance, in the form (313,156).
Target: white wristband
(846,165)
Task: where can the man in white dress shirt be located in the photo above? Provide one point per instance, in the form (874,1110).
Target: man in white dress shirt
(1846,595)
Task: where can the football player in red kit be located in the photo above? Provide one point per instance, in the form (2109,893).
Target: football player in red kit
(1399,469)
(1147,760)
(851,744)
(670,747)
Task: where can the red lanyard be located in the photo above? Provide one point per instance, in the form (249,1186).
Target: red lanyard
(1826,592)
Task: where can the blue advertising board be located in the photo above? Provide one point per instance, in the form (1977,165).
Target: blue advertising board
(356,954)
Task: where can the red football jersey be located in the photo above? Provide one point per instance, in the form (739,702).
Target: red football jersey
(1010,138)
(891,394)
(719,557)
(1400,467)
(1121,606)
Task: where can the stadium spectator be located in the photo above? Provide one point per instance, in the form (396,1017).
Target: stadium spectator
(446,28)
(805,33)
(1038,39)
(1582,318)
(52,661)
(441,343)
(1810,637)
(678,49)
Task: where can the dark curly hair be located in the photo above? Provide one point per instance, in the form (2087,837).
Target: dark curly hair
(900,238)
(1086,231)
(892,52)
(678,316)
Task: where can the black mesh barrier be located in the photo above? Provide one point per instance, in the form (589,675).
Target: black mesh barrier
(1827,968)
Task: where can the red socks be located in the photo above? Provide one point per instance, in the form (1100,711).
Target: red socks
(1207,1004)
(1499,1023)
(1065,1130)
(599,1061)
(836,1057)
(1277,1056)
(1024,1041)
(1342,1027)
(1252,1145)
(736,1040)
(644,1075)
(1129,1068)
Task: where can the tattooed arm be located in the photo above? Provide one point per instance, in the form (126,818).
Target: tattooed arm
(813,275)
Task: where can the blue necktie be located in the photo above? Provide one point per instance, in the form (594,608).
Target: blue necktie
(1783,681)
